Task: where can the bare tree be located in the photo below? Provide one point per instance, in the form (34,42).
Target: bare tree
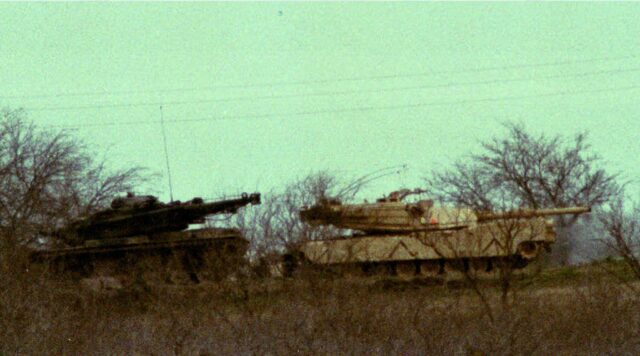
(622,230)
(275,226)
(521,170)
(48,177)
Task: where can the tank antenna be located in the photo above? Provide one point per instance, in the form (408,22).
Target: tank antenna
(166,153)
(369,177)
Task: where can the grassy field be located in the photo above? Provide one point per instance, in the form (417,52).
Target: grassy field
(586,309)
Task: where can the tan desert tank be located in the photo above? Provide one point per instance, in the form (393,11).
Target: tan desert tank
(421,238)
(140,232)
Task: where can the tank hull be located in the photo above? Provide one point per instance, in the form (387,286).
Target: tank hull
(193,254)
(433,250)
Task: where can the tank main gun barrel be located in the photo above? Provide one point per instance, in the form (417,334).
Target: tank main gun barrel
(530,213)
(185,213)
(196,211)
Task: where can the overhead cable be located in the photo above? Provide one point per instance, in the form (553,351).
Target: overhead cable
(330,93)
(362,108)
(322,81)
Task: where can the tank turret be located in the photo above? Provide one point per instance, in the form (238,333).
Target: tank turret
(391,214)
(145,215)
(132,201)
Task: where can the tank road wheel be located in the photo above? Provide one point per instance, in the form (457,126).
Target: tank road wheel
(378,269)
(510,262)
(192,262)
(165,259)
(529,249)
(290,263)
(108,267)
(211,263)
(78,267)
(407,269)
(517,262)
(175,267)
(354,270)
(222,260)
(431,269)
(149,266)
(481,267)
(455,269)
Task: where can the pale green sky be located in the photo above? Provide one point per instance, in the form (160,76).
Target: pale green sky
(409,104)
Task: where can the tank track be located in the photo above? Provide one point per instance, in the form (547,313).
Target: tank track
(174,257)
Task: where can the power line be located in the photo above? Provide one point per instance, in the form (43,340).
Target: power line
(331,93)
(323,81)
(361,109)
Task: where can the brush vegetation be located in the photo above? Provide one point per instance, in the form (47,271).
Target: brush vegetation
(587,309)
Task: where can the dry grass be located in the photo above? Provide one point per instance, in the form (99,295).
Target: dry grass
(315,315)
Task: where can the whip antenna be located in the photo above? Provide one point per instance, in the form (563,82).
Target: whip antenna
(166,153)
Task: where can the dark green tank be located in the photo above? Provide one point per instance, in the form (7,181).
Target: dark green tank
(142,231)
